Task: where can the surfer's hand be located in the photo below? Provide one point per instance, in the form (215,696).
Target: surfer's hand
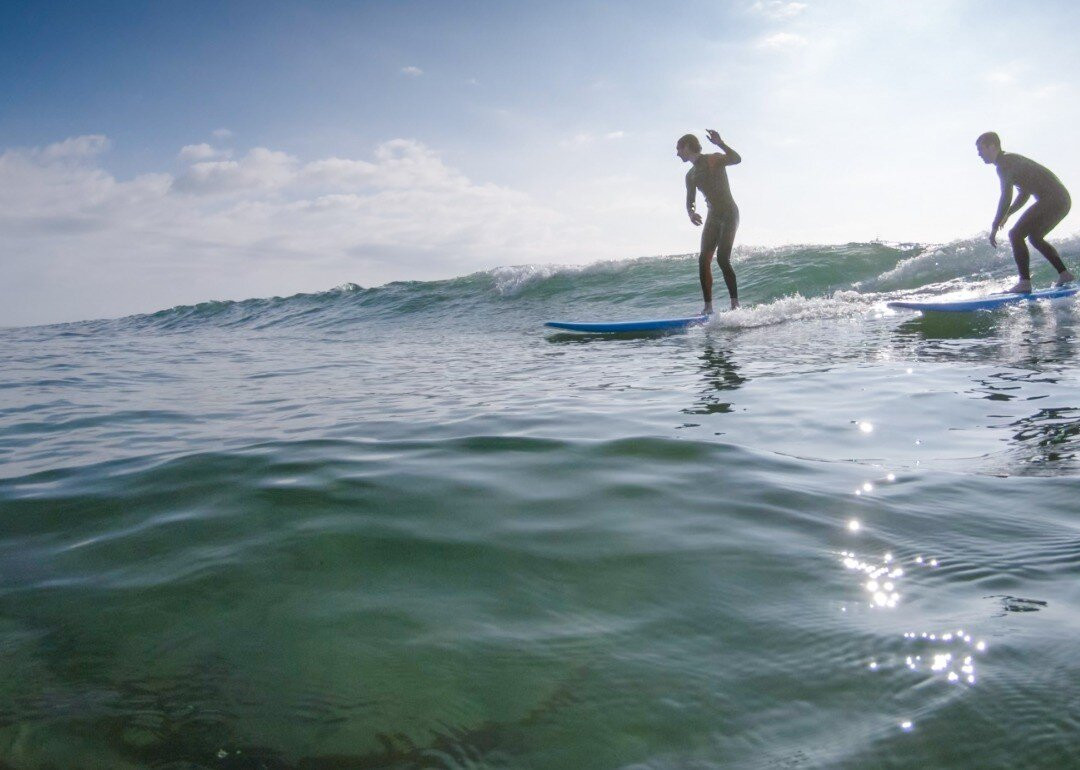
(695,217)
(993,234)
(714,137)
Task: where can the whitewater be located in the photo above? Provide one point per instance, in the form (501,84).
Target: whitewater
(406,526)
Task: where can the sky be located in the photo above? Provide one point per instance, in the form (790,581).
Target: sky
(160,154)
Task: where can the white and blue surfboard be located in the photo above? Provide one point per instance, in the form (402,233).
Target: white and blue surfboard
(612,327)
(984,303)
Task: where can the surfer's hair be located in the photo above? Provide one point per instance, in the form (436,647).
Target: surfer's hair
(690,142)
(991,138)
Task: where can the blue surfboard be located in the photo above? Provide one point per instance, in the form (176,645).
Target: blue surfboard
(985,303)
(605,327)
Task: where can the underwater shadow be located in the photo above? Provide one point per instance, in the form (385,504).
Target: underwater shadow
(187,738)
(570,338)
(979,324)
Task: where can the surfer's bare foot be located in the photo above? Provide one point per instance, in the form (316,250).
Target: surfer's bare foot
(707,310)
(1065,277)
(734,304)
(1023,286)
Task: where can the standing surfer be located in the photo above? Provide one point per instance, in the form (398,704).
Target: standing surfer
(1052,203)
(709,174)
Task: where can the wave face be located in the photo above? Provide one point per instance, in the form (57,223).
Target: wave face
(876,271)
(409,527)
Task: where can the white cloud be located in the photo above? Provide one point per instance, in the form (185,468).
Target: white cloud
(79,148)
(782,41)
(88,244)
(578,140)
(1017,79)
(413,72)
(777,9)
(340,172)
(1001,78)
(196,152)
(260,169)
(1051,91)
(222,133)
(615,135)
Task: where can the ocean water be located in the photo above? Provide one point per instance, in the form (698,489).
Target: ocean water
(408,527)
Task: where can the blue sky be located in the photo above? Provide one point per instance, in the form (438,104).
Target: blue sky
(154,154)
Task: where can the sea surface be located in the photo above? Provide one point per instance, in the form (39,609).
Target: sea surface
(409,527)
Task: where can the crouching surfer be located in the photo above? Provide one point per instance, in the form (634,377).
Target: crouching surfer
(1052,203)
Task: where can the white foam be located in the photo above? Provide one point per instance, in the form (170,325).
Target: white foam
(795,307)
(347,288)
(512,279)
(965,257)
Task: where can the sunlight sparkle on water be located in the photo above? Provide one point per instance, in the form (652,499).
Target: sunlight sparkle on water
(949,654)
(882,592)
(954,668)
(868,486)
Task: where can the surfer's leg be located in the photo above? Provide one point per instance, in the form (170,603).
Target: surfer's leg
(1041,218)
(710,236)
(728,226)
(1048,251)
(1020,251)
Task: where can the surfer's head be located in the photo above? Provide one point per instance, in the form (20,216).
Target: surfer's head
(988,146)
(688,147)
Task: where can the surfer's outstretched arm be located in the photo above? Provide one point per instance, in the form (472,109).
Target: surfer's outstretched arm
(730,156)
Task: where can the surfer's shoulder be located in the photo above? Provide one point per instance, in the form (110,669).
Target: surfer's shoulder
(1005,163)
(1012,160)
